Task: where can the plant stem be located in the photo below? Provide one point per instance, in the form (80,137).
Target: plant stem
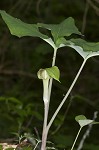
(51,80)
(44,133)
(46,105)
(76,138)
(66,96)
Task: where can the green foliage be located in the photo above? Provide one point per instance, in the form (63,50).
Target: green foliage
(1,147)
(47,73)
(83,121)
(22,113)
(63,141)
(59,31)
(65,28)
(85,49)
(86,46)
(19,28)
(80,117)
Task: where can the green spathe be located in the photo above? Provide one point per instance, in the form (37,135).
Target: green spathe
(53,72)
(47,73)
(42,74)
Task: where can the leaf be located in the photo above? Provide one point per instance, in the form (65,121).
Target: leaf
(19,28)
(87,46)
(65,28)
(61,41)
(84,48)
(83,121)
(80,117)
(53,72)
(10,99)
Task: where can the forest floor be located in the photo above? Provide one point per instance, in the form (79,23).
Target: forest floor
(5,146)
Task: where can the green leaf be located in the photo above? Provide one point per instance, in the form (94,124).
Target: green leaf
(65,28)
(83,121)
(19,28)
(80,117)
(84,48)
(87,46)
(10,99)
(53,72)
(61,41)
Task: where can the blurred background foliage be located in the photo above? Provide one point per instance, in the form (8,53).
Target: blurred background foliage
(21,105)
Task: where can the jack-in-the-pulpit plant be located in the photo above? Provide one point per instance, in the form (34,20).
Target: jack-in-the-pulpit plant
(59,38)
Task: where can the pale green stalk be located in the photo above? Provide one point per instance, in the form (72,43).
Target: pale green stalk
(44,133)
(66,96)
(46,97)
(46,106)
(51,80)
(76,138)
(46,102)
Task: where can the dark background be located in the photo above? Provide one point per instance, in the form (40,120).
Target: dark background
(21,105)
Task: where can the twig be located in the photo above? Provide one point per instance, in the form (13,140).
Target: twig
(96,1)
(37,133)
(29,122)
(93,6)
(15,6)
(85,17)
(38,7)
